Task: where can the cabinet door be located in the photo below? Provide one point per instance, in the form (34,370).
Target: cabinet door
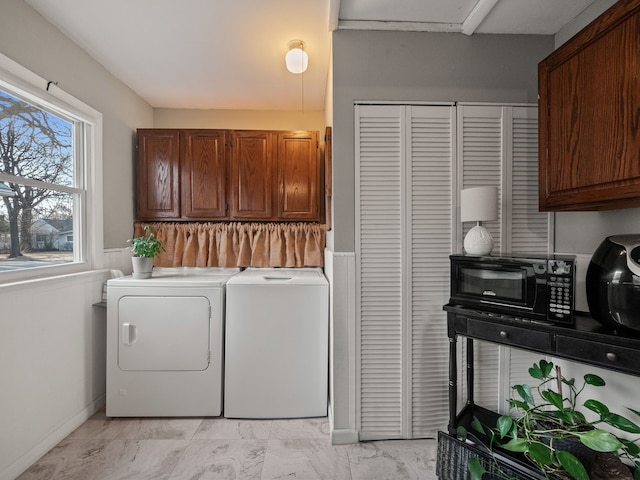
(158,174)
(204,174)
(589,92)
(252,175)
(298,176)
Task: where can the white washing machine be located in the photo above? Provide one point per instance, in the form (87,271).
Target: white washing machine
(276,344)
(165,343)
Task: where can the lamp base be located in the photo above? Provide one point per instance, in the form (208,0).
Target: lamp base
(478,241)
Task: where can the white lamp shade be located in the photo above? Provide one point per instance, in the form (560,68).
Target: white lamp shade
(296,58)
(479,204)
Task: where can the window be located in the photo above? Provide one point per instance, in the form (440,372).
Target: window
(49,218)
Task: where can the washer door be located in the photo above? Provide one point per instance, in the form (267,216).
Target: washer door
(163,333)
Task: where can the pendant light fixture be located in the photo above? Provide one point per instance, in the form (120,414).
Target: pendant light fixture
(296,58)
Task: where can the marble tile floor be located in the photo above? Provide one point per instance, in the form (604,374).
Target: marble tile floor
(221,449)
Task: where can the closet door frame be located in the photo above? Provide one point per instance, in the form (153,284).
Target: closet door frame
(402,409)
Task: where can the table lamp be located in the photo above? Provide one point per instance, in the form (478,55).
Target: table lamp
(478,204)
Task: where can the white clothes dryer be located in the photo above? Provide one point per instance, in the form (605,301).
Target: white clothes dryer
(165,343)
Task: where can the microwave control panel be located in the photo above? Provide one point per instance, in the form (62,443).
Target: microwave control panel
(560,283)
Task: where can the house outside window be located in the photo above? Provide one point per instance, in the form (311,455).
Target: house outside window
(48,161)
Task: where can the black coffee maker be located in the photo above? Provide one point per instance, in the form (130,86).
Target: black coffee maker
(613,282)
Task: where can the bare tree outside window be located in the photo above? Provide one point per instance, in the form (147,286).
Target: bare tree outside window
(36,150)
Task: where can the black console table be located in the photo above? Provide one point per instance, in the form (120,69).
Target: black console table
(587,342)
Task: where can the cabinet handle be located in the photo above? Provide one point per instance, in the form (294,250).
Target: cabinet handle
(504,334)
(612,357)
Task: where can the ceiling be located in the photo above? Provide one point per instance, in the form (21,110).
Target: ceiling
(230,54)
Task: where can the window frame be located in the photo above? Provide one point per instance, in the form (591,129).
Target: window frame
(88,219)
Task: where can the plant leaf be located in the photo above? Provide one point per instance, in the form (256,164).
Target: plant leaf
(546,367)
(475,468)
(594,380)
(596,406)
(631,447)
(572,465)
(476,425)
(516,445)
(636,473)
(540,453)
(525,393)
(564,416)
(553,398)
(536,372)
(461,433)
(504,424)
(634,411)
(599,440)
(518,404)
(621,422)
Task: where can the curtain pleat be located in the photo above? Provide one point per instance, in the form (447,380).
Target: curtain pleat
(238,244)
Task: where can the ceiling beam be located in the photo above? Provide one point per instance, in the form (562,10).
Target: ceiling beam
(477,16)
(400,26)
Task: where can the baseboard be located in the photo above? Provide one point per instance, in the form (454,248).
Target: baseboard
(51,440)
(344,437)
(341,436)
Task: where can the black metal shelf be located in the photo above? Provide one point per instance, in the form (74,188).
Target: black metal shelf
(587,342)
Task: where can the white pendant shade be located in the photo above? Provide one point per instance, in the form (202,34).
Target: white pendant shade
(296,58)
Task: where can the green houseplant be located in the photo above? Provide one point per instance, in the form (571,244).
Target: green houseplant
(556,437)
(144,249)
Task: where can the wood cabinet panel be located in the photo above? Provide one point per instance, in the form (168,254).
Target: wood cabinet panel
(158,175)
(212,175)
(251,175)
(298,176)
(589,116)
(204,174)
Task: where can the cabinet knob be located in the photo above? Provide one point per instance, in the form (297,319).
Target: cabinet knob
(504,334)
(612,357)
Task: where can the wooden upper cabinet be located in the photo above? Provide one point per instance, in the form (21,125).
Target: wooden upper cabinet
(213,175)
(589,110)
(298,173)
(252,175)
(204,174)
(158,175)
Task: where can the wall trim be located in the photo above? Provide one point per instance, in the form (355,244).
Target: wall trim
(340,271)
(55,437)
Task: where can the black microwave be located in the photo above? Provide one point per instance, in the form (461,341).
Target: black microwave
(526,286)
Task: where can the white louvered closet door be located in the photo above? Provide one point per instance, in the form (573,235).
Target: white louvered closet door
(430,231)
(404,162)
(498,146)
(379,167)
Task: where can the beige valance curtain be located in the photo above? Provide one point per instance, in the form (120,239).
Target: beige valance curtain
(238,244)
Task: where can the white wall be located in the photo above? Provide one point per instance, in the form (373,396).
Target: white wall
(238,119)
(52,340)
(404,67)
(580,233)
(35,44)
(418,66)
(52,364)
